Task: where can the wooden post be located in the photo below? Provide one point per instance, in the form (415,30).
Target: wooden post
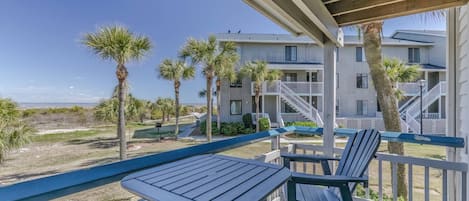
(451,117)
(330,52)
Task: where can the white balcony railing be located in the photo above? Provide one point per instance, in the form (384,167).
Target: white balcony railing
(300,88)
(409,88)
(282,60)
(413,88)
(379,174)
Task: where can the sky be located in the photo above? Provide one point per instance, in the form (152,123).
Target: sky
(42,58)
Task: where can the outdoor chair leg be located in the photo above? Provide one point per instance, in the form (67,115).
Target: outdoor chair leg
(291,191)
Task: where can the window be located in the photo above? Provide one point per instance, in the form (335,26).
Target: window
(236,84)
(360,54)
(290,53)
(362,80)
(362,107)
(414,55)
(235,107)
(289,77)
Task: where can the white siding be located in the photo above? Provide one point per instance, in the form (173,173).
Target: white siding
(462,88)
(458,90)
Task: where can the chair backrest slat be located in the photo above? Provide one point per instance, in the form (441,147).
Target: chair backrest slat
(358,153)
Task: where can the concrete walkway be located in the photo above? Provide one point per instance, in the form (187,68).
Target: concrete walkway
(187,130)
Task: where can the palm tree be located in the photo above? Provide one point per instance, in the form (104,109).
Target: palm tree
(14,133)
(175,71)
(224,70)
(210,55)
(385,93)
(398,71)
(165,105)
(259,73)
(119,44)
(203,94)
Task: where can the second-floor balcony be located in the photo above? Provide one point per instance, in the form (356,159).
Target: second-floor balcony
(299,88)
(299,63)
(413,88)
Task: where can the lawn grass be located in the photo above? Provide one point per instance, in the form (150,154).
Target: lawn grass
(59,137)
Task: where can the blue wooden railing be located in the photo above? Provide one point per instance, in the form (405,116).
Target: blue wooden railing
(71,182)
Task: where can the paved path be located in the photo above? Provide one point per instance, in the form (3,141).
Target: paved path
(187,130)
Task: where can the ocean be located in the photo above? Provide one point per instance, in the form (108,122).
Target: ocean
(68,105)
(55,105)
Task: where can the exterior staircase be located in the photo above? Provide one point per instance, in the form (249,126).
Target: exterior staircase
(299,104)
(410,111)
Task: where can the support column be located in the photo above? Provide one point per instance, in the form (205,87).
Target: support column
(263,103)
(451,117)
(439,107)
(309,84)
(426,80)
(330,52)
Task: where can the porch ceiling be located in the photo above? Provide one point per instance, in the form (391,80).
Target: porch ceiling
(321,19)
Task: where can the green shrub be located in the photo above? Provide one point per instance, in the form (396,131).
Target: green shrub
(264,124)
(229,129)
(302,123)
(203,127)
(247,120)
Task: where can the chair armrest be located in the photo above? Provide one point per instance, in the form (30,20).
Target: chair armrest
(328,180)
(287,158)
(307,158)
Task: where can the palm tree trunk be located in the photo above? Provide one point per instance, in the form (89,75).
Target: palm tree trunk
(163,117)
(176,91)
(121,76)
(386,95)
(218,83)
(256,99)
(209,109)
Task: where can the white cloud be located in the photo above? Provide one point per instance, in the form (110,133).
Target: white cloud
(71,87)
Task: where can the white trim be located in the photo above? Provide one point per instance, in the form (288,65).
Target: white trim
(418,33)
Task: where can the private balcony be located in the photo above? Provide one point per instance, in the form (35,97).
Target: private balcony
(300,63)
(299,88)
(427,176)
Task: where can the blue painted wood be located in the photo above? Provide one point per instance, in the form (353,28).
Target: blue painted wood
(357,155)
(434,139)
(244,180)
(71,182)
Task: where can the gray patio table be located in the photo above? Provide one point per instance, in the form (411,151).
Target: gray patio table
(207,177)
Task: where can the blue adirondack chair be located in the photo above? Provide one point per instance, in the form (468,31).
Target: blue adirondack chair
(357,155)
